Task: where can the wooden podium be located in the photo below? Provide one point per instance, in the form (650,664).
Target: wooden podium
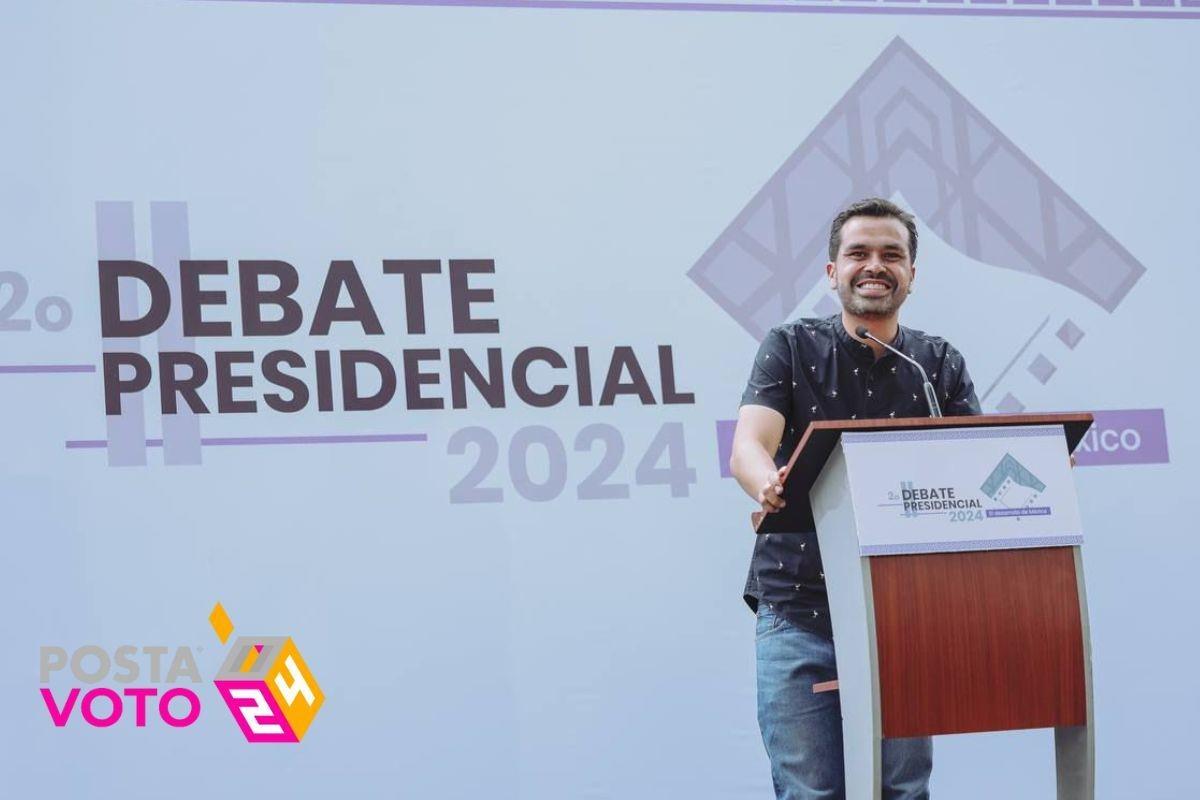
(949,637)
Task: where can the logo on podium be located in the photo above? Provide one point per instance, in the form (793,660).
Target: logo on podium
(1012,485)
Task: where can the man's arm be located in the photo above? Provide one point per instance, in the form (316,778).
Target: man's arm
(765,408)
(758,433)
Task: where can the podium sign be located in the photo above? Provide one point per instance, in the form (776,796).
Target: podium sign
(962,489)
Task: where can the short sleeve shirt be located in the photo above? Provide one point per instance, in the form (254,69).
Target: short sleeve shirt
(813,369)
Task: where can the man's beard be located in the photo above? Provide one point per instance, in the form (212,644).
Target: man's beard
(860,306)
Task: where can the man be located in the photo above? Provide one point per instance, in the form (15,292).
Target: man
(819,369)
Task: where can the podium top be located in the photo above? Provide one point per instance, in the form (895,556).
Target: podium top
(821,437)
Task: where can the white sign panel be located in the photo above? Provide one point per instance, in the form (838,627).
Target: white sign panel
(962,489)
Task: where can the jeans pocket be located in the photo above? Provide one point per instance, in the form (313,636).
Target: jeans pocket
(768,622)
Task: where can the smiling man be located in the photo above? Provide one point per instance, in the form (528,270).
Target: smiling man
(819,369)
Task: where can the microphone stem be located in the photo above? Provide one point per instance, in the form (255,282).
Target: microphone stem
(935,410)
(931,400)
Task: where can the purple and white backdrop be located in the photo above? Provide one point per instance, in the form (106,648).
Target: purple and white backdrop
(452,302)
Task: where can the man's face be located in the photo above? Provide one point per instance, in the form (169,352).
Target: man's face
(874,270)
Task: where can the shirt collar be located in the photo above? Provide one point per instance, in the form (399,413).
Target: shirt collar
(862,351)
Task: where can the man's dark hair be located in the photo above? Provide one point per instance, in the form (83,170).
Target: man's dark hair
(873,207)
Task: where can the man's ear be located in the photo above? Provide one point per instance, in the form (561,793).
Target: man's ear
(912,276)
(831,272)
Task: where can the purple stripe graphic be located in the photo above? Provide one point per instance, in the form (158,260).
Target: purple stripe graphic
(235,441)
(126,432)
(963,9)
(170,245)
(25,369)
(1036,511)
(1129,436)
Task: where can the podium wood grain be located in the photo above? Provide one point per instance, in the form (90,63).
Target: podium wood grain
(979,641)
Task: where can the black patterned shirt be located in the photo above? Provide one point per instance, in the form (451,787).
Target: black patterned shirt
(814,369)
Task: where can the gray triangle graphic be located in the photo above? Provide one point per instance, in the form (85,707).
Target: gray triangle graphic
(903,128)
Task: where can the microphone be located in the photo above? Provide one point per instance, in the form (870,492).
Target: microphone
(935,410)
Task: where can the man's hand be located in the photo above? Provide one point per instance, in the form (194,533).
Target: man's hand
(770,496)
(757,436)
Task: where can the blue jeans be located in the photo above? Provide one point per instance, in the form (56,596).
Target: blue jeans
(802,731)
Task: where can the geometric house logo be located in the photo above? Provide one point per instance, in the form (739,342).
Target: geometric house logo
(902,129)
(1012,485)
(266,685)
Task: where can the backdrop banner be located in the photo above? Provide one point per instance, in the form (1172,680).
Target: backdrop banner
(367,371)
